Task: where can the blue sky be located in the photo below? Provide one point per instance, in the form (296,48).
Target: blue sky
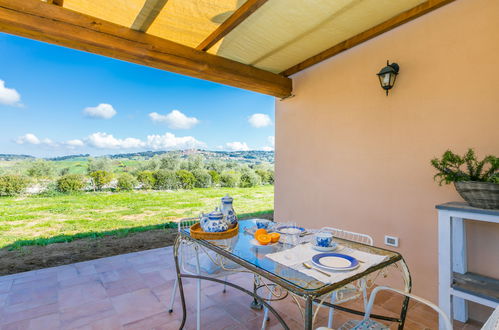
(58,101)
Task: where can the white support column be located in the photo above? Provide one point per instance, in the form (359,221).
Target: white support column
(459,264)
(445,267)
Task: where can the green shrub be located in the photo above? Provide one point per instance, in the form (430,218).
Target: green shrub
(203,178)
(99,164)
(194,162)
(70,183)
(12,184)
(186,179)
(215,177)
(100,178)
(126,182)
(146,179)
(170,161)
(165,179)
(64,171)
(215,165)
(40,169)
(271,177)
(266,176)
(230,179)
(249,179)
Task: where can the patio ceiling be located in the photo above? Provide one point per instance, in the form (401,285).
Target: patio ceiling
(251,44)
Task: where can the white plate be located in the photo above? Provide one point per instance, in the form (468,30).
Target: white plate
(335,261)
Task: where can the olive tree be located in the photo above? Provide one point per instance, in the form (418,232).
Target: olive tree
(70,183)
(101,178)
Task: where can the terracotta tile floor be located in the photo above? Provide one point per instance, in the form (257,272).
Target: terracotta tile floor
(132,291)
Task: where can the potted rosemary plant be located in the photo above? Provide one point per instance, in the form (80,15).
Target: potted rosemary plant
(476,181)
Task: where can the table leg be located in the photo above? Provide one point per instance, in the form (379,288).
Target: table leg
(406,274)
(255,304)
(179,280)
(444,261)
(308,313)
(459,265)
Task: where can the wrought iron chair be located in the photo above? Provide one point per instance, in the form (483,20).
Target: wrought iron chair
(367,323)
(193,259)
(349,291)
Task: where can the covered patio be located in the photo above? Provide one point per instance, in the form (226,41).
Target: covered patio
(132,291)
(350,153)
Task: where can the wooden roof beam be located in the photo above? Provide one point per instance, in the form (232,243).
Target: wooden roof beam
(56,2)
(53,24)
(148,14)
(243,12)
(386,26)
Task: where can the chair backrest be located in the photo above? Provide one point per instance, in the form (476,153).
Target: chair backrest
(186,223)
(350,235)
(444,317)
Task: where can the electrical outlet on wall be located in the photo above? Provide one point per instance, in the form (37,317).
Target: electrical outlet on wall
(391,241)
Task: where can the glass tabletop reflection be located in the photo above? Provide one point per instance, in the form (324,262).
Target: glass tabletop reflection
(255,256)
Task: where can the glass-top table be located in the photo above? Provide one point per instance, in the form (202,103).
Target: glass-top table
(243,253)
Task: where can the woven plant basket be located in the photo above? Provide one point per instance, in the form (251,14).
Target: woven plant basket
(484,195)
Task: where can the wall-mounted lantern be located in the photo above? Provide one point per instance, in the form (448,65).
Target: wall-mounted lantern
(387,76)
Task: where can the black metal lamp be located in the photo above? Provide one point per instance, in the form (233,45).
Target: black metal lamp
(387,76)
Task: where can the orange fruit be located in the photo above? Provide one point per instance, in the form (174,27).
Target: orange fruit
(263,239)
(274,237)
(260,232)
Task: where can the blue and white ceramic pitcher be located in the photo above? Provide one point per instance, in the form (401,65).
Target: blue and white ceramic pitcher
(228,211)
(214,222)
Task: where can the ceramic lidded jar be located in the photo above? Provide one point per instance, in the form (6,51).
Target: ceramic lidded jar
(228,211)
(214,222)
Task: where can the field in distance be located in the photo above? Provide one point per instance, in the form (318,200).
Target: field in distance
(29,220)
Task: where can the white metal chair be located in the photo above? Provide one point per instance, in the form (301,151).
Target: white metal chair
(349,291)
(195,260)
(367,323)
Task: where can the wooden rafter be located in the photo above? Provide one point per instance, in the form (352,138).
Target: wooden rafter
(392,23)
(53,24)
(243,12)
(56,2)
(148,14)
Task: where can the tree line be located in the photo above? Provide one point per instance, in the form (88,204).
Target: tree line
(166,172)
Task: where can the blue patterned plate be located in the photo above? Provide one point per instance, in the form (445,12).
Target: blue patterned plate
(335,261)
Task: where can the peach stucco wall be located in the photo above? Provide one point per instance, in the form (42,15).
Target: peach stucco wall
(348,156)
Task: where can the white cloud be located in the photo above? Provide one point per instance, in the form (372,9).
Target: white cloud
(155,142)
(74,143)
(107,141)
(167,141)
(259,120)
(28,138)
(9,96)
(170,141)
(103,110)
(175,120)
(271,146)
(237,146)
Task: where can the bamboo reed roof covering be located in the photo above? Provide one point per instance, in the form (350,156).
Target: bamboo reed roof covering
(261,41)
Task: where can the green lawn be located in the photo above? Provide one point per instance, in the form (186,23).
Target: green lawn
(42,220)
